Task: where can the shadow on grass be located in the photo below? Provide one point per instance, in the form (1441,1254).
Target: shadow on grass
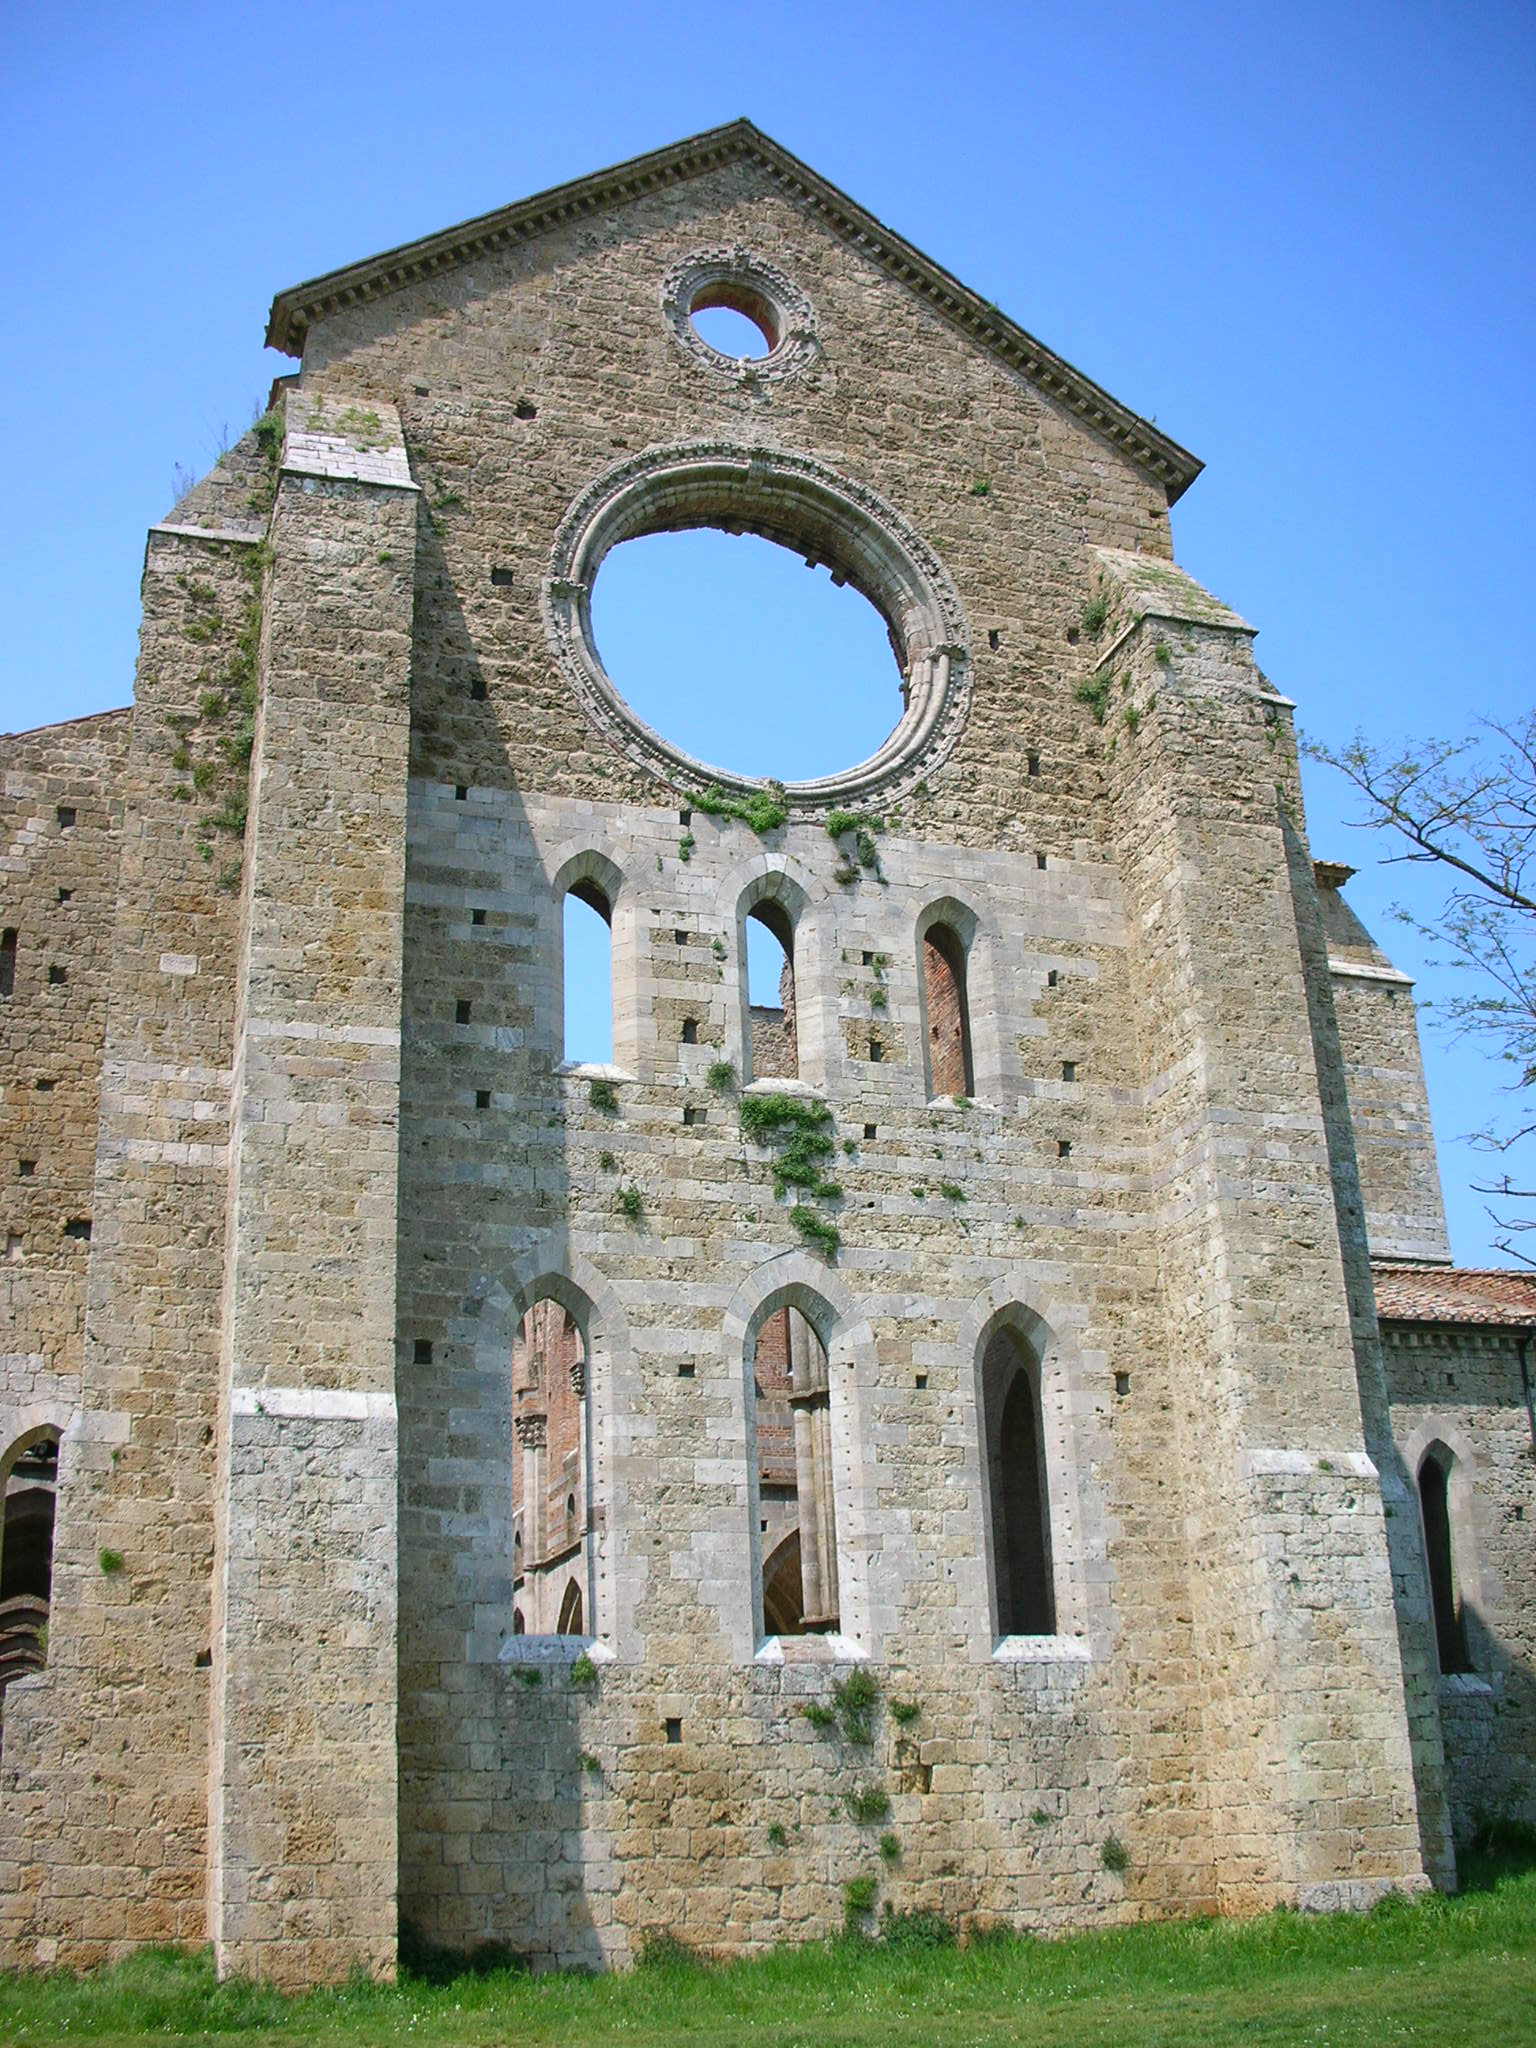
(425,1963)
(1501,1849)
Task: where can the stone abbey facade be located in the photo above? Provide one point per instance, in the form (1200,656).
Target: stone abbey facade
(1003,1423)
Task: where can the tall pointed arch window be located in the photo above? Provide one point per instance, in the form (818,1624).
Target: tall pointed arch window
(796,1529)
(1444,1588)
(587,958)
(26,1556)
(1017,1488)
(553,1564)
(773,1051)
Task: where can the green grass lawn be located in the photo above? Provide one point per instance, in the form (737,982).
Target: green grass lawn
(1459,1971)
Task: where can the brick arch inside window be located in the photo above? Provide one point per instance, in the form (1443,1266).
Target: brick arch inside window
(552,1482)
(946,1009)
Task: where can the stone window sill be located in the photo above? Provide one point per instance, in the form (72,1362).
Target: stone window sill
(1041,1650)
(1469,1684)
(832,1649)
(553,1651)
(591,1070)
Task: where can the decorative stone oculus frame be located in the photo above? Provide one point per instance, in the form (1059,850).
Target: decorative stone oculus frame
(808,507)
(761,293)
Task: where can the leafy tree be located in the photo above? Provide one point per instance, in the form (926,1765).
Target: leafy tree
(1468,809)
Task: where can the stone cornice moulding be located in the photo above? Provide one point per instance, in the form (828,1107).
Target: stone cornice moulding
(802,504)
(293,310)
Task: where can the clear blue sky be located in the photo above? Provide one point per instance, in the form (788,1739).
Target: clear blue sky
(1300,237)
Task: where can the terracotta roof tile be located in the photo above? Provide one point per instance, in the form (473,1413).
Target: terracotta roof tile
(1455,1294)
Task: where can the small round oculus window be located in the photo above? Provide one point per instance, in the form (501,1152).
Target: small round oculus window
(736,314)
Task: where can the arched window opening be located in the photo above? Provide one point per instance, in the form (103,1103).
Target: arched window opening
(588,942)
(551,1474)
(26,1558)
(1018,1494)
(1445,1593)
(948,1044)
(8,961)
(780,672)
(735,322)
(773,1051)
(796,1527)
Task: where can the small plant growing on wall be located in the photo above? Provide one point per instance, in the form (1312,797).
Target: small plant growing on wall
(890,1848)
(858,1899)
(721,1077)
(630,1203)
(903,1712)
(1094,692)
(110,1562)
(816,1230)
(603,1096)
(821,1718)
(777,1839)
(764,810)
(1113,1855)
(855,1698)
(868,1803)
(583,1671)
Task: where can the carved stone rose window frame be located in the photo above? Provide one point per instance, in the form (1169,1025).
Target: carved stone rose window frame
(808,507)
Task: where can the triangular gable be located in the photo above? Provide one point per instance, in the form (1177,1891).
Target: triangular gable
(1152,452)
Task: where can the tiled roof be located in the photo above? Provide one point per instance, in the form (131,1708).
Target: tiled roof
(1455,1294)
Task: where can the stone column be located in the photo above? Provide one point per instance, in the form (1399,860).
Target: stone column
(813,1474)
(532,1442)
(303,1803)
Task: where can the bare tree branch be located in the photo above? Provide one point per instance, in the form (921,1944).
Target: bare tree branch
(1469,807)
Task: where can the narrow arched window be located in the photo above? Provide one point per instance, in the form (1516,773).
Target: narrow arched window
(947,1018)
(26,1558)
(773,1049)
(551,1490)
(1018,1492)
(1444,1592)
(795,1536)
(587,916)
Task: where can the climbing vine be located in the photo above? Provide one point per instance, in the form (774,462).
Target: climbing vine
(800,1133)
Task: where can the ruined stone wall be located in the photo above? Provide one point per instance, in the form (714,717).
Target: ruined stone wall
(340,1157)
(60,819)
(1389,1106)
(1462,1389)
(1061,1195)
(103,1828)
